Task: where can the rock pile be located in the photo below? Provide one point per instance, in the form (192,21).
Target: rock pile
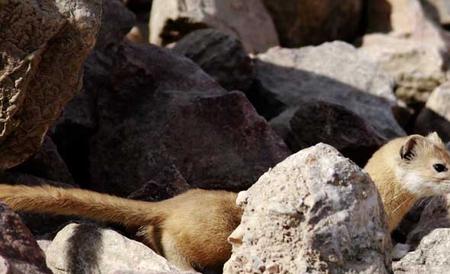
(225,92)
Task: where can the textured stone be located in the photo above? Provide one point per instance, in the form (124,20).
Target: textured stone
(220,55)
(431,256)
(319,121)
(159,110)
(90,249)
(19,252)
(414,50)
(43,48)
(47,164)
(335,73)
(172,19)
(312,22)
(436,114)
(315,212)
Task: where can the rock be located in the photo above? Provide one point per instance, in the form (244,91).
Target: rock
(141,8)
(439,10)
(315,212)
(414,52)
(436,114)
(220,55)
(434,215)
(19,252)
(309,22)
(431,256)
(158,110)
(78,122)
(47,164)
(319,121)
(335,73)
(44,47)
(170,20)
(90,249)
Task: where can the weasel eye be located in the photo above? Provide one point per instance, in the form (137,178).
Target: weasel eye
(440,167)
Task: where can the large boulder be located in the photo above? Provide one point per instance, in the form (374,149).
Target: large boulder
(436,114)
(19,252)
(247,20)
(312,22)
(87,248)
(319,121)
(160,110)
(315,212)
(220,55)
(431,256)
(334,73)
(414,50)
(43,50)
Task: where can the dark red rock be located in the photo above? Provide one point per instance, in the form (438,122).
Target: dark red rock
(19,252)
(162,110)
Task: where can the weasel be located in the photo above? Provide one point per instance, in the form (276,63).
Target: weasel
(191,229)
(406,169)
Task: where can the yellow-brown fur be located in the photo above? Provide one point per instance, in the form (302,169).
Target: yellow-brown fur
(402,181)
(190,230)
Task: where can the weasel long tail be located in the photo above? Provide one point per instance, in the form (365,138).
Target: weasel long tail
(78,202)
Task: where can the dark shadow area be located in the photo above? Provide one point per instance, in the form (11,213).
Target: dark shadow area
(428,121)
(174,30)
(377,16)
(73,146)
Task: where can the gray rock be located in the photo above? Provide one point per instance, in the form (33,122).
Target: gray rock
(247,20)
(431,256)
(319,121)
(19,252)
(436,114)
(90,249)
(220,55)
(315,212)
(311,22)
(439,10)
(332,72)
(434,215)
(414,51)
(44,47)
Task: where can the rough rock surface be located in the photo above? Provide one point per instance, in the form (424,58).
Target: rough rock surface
(47,164)
(19,252)
(90,249)
(332,124)
(435,214)
(78,122)
(312,22)
(220,55)
(43,49)
(439,10)
(158,109)
(172,19)
(431,256)
(436,114)
(315,212)
(415,50)
(332,72)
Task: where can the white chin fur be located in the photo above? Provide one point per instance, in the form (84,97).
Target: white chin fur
(422,187)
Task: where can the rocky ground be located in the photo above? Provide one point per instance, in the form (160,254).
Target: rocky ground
(147,99)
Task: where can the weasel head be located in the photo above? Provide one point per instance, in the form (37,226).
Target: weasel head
(424,165)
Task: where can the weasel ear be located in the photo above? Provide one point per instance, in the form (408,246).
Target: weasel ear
(435,139)
(407,150)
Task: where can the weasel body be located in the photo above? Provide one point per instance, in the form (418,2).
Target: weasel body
(191,229)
